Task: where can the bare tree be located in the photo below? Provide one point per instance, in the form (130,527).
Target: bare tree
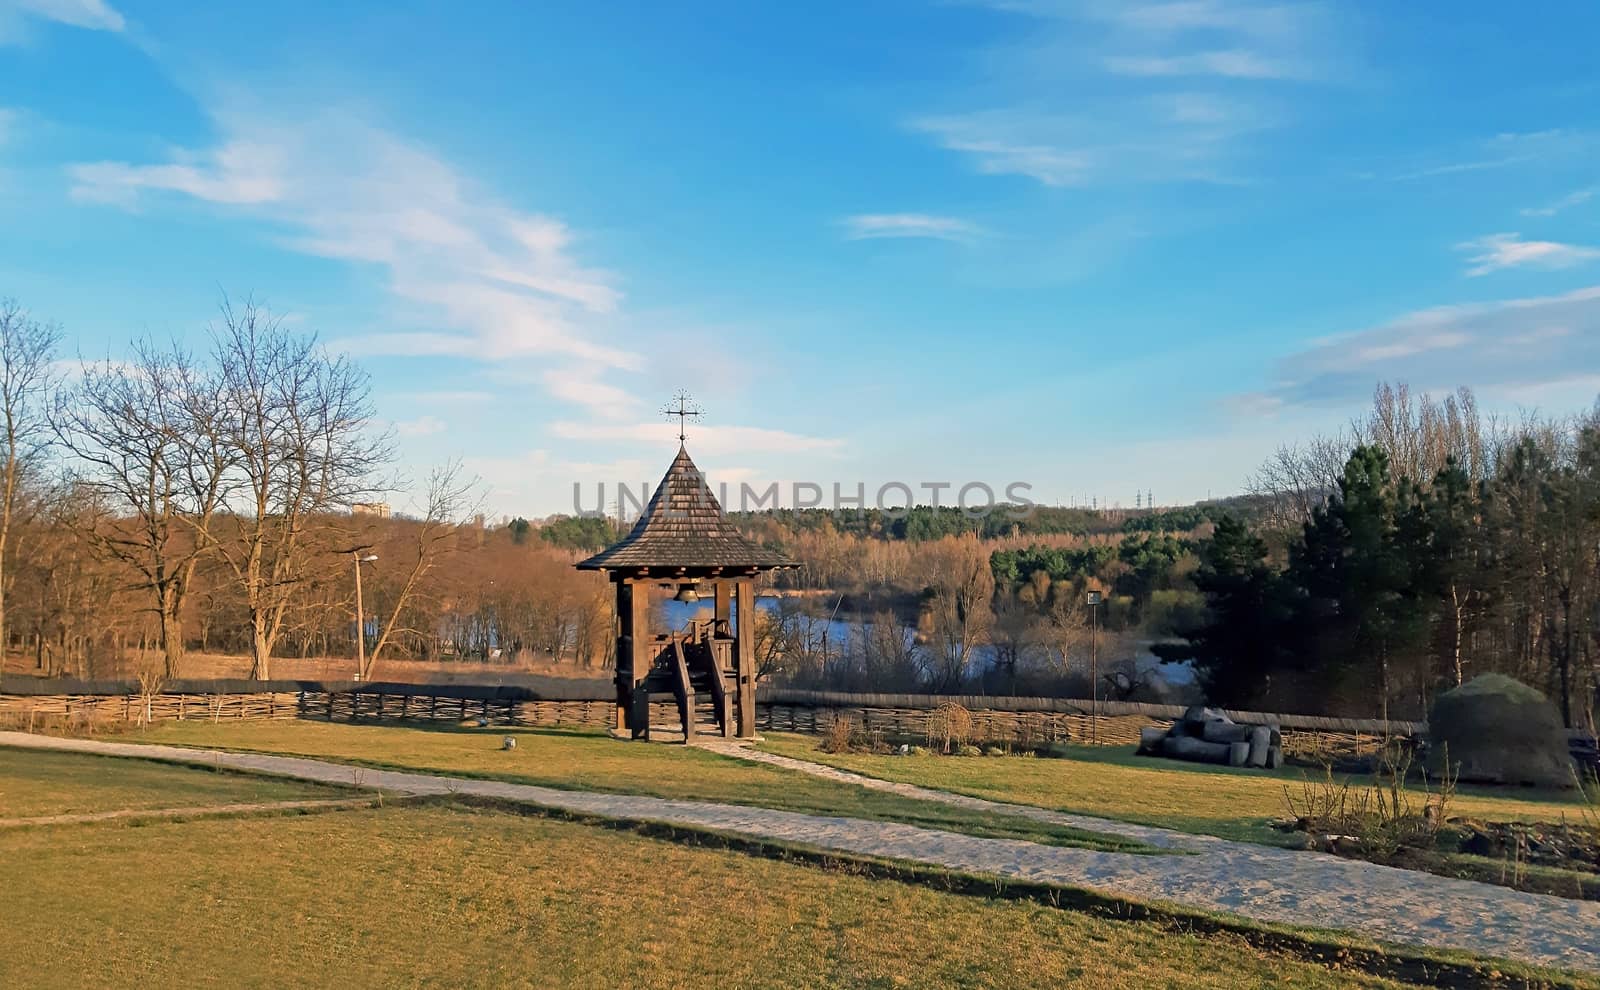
(297,421)
(26,349)
(956,615)
(145,431)
(438,535)
(1296,479)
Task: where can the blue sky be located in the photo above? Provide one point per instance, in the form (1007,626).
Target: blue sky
(1098,247)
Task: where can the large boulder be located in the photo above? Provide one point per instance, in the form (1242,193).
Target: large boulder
(1493,729)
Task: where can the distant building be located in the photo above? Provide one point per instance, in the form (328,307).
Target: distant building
(379,509)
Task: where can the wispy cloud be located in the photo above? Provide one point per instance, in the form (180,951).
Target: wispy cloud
(449,397)
(1566,202)
(1180,136)
(1511,344)
(865,226)
(1235,63)
(1499,151)
(709,439)
(1498,251)
(94,15)
(1148,91)
(473,276)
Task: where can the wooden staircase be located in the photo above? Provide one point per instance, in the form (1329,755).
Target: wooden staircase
(695,667)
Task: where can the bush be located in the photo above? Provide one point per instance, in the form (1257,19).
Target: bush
(994,751)
(968,751)
(841,735)
(1497,730)
(950,726)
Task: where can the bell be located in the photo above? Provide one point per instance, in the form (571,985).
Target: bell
(687,593)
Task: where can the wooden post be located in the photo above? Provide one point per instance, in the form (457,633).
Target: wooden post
(633,665)
(624,674)
(744,659)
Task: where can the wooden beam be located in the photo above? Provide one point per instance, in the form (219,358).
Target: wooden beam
(744,653)
(685,690)
(633,655)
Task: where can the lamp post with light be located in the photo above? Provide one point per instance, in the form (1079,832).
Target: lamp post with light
(361,623)
(1093,601)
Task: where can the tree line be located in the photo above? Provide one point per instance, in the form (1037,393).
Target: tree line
(1445,544)
(182,499)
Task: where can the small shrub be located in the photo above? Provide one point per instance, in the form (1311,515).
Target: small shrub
(968,751)
(1384,817)
(841,736)
(994,751)
(950,726)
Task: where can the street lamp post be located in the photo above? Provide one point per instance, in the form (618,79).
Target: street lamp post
(1093,601)
(361,622)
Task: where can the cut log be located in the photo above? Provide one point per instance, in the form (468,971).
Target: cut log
(1260,743)
(1198,750)
(1225,732)
(1150,738)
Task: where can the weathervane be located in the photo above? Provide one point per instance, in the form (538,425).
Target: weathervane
(683,412)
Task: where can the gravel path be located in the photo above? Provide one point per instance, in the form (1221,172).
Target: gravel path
(1259,882)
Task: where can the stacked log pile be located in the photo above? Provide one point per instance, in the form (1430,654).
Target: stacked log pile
(1207,735)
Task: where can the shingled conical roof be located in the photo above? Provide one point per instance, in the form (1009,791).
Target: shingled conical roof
(683,527)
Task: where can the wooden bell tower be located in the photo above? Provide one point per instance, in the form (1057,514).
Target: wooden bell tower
(683,543)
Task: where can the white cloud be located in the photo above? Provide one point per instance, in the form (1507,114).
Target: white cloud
(1566,202)
(582,387)
(1515,344)
(471,276)
(1498,251)
(94,15)
(422,426)
(236,174)
(865,226)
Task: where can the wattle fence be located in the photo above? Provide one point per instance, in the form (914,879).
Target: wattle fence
(1008,721)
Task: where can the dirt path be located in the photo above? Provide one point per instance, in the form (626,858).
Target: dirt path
(1258,882)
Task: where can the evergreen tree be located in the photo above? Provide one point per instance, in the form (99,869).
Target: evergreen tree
(1357,567)
(1238,648)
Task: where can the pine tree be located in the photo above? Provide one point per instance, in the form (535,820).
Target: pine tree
(1238,648)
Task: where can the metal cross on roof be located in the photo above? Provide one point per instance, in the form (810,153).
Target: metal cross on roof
(683,412)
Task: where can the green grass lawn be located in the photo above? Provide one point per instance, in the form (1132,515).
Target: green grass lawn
(35,783)
(1111,782)
(587,760)
(444,896)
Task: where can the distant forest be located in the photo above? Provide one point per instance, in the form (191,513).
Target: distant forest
(181,502)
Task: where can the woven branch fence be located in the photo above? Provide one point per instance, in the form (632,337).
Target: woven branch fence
(1007,721)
